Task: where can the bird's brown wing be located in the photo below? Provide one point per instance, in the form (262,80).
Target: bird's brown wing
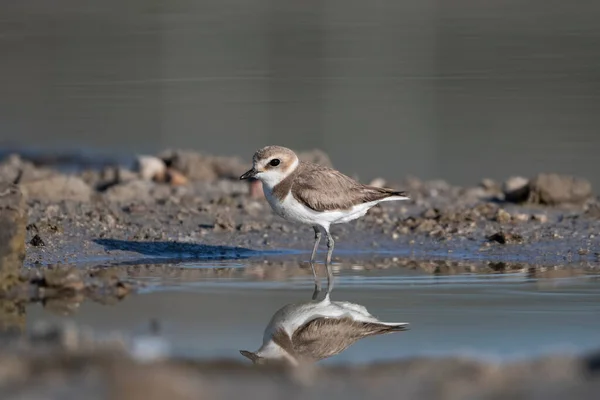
(324,189)
(325,337)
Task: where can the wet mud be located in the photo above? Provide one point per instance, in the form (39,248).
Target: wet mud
(68,363)
(100,234)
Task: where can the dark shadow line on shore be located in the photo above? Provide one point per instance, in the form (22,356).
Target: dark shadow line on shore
(173,251)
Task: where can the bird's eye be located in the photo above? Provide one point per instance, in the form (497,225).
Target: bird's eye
(274,162)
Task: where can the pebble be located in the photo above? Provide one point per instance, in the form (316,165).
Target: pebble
(516,189)
(58,188)
(521,217)
(150,168)
(37,241)
(489,184)
(505,238)
(555,189)
(224,222)
(176,178)
(503,216)
(378,182)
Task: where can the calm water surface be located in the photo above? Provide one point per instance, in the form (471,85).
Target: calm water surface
(498,316)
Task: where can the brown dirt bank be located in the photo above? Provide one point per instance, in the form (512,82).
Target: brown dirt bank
(143,213)
(58,364)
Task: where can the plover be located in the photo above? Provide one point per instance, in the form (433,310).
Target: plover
(313,194)
(313,330)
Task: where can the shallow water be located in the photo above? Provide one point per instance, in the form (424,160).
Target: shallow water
(502,316)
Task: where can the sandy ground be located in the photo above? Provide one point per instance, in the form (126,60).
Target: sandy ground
(137,220)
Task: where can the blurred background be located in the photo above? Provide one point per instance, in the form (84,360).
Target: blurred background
(456,89)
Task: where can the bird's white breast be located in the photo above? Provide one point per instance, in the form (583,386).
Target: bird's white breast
(292,210)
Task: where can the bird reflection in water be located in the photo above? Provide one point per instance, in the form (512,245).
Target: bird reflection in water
(309,331)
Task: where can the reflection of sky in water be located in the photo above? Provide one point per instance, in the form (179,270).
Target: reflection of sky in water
(499,316)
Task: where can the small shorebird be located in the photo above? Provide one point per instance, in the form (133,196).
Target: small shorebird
(313,194)
(313,330)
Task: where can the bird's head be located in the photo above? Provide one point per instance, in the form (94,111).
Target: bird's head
(272,164)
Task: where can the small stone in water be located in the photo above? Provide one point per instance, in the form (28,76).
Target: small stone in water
(37,241)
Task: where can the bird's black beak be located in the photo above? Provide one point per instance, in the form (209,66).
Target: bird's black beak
(250,174)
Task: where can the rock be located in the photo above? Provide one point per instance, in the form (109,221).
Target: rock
(193,165)
(437,187)
(107,177)
(228,167)
(315,156)
(199,167)
(58,188)
(521,217)
(12,319)
(150,168)
(583,252)
(252,226)
(426,226)
(13,169)
(476,193)
(109,220)
(555,189)
(541,218)
(224,222)
(63,278)
(13,223)
(593,210)
(68,283)
(503,216)
(490,185)
(431,213)
(37,241)
(176,178)
(516,189)
(378,182)
(548,189)
(131,191)
(505,238)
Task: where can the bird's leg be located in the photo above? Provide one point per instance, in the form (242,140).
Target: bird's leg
(330,244)
(316,291)
(312,262)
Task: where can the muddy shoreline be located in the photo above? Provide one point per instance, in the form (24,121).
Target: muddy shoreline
(186,206)
(97,233)
(179,207)
(94,233)
(54,371)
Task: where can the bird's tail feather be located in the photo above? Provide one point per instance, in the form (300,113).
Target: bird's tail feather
(395,195)
(400,194)
(396,326)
